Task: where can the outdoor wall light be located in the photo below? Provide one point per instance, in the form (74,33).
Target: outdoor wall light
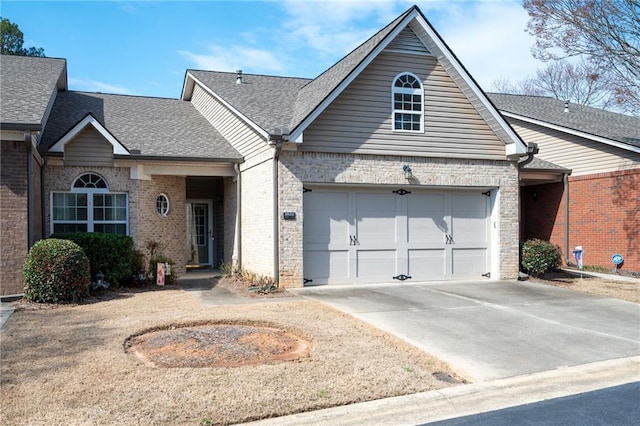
(407,172)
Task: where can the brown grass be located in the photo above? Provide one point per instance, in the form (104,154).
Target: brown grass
(608,287)
(68,365)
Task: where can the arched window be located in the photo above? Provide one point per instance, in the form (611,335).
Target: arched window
(89,207)
(408,105)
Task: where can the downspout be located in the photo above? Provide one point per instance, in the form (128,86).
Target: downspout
(27,139)
(276,213)
(565,183)
(236,258)
(532,149)
(43,219)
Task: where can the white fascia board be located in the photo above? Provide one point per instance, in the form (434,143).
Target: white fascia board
(89,120)
(573,132)
(518,146)
(144,170)
(296,135)
(227,105)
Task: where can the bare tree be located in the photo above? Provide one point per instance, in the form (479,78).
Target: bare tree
(582,82)
(606,32)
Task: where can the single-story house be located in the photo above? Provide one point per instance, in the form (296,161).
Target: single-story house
(593,201)
(391,165)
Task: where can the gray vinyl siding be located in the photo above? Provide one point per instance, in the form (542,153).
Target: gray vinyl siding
(407,42)
(241,136)
(88,148)
(582,156)
(360,119)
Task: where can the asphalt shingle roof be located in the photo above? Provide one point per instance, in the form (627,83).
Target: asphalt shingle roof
(610,125)
(155,126)
(266,100)
(539,164)
(27,85)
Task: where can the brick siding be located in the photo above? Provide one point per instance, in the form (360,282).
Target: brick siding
(297,168)
(604,216)
(14,244)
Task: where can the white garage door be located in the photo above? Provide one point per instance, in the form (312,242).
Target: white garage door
(381,235)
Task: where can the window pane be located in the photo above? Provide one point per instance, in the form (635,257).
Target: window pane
(111,228)
(69,227)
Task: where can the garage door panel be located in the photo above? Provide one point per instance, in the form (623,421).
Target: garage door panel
(426,218)
(326,217)
(469,262)
(375,265)
(327,266)
(426,265)
(376,218)
(469,218)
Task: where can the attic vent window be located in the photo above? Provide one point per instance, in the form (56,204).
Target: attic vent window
(407,95)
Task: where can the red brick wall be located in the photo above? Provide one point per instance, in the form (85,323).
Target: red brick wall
(14,243)
(604,216)
(543,213)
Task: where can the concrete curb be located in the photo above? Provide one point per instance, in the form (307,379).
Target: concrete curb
(459,401)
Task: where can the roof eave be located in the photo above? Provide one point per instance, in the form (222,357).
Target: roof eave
(574,132)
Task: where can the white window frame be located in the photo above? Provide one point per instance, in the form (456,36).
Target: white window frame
(90,192)
(407,91)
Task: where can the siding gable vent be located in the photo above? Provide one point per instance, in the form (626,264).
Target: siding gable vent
(408,42)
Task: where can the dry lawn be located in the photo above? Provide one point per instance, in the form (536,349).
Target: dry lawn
(608,287)
(68,365)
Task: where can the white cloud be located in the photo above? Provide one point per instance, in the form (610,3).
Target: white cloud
(489,38)
(219,58)
(88,85)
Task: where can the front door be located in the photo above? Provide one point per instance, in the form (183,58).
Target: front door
(199,233)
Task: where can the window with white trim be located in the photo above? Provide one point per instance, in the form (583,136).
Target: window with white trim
(407,101)
(90,207)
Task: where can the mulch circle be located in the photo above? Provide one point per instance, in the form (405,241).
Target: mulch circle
(217,345)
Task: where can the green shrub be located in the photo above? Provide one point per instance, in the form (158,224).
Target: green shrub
(56,271)
(113,255)
(539,257)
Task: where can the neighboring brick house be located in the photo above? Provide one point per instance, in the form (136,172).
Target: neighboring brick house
(390,165)
(598,205)
(28,88)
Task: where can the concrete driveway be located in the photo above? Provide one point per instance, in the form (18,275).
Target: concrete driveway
(489,330)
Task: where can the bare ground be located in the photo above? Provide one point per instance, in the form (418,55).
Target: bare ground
(69,364)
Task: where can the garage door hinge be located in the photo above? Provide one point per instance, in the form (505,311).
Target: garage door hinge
(401,192)
(304,190)
(401,277)
(306,280)
(487,275)
(488,193)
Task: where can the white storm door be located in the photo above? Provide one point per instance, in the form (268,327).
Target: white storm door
(199,232)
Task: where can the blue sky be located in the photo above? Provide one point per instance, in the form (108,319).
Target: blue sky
(145,47)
